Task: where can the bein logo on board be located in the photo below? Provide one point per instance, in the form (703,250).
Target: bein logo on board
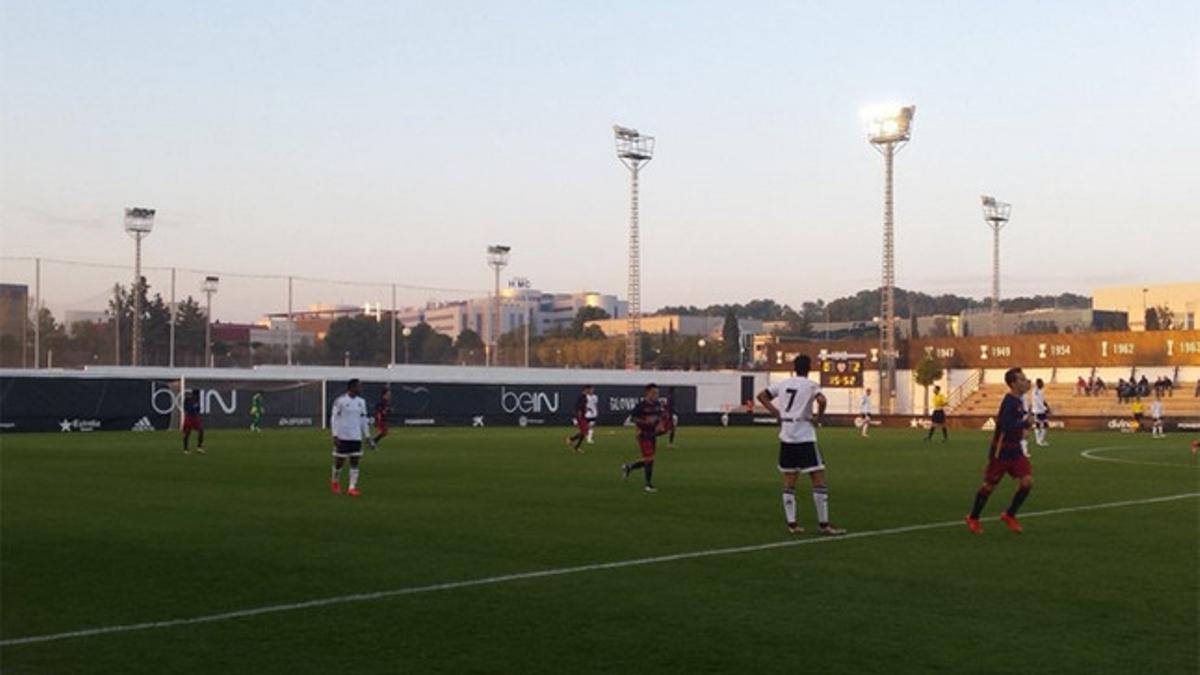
(526,402)
(165,400)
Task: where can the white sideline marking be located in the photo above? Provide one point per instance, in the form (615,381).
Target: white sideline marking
(561,571)
(1088,454)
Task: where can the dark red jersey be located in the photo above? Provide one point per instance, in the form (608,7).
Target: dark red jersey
(1011,423)
(645,416)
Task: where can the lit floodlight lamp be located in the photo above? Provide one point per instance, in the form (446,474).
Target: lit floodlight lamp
(889,128)
(889,123)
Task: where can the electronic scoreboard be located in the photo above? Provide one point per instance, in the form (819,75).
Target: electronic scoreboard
(842,371)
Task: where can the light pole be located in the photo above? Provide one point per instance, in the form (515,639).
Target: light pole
(138,223)
(407,333)
(497,260)
(1144,308)
(888,130)
(634,150)
(995,214)
(209,287)
(701,343)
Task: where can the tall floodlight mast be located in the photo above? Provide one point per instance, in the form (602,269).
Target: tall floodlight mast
(888,130)
(497,260)
(138,223)
(634,150)
(995,214)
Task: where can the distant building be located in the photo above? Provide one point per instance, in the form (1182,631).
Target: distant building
(1045,320)
(14,307)
(314,321)
(519,305)
(699,326)
(1183,300)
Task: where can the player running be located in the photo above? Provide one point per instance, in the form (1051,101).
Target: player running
(192,421)
(938,418)
(593,413)
(256,411)
(1007,455)
(383,408)
(582,425)
(348,421)
(647,415)
(798,452)
(1040,412)
(864,412)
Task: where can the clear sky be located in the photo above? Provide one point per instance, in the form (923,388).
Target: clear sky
(394,141)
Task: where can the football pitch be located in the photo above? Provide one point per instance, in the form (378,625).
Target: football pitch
(499,550)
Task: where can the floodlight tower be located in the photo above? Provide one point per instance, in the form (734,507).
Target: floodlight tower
(497,260)
(634,150)
(995,214)
(138,223)
(888,130)
(209,288)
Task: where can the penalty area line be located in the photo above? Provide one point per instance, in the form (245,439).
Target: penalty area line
(555,572)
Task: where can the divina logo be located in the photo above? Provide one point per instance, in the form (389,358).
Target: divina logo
(528,401)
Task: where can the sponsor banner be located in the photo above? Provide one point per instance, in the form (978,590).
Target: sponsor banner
(422,404)
(71,405)
(225,404)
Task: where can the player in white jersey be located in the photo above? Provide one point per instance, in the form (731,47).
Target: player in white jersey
(593,414)
(1040,412)
(1156,409)
(350,425)
(864,411)
(798,452)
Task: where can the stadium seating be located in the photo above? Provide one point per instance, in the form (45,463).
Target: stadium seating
(1065,402)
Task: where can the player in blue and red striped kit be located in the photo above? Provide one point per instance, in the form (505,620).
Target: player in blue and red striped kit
(582,422)
(647,416)
(1007,454)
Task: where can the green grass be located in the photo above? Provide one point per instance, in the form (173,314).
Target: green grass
(118,528)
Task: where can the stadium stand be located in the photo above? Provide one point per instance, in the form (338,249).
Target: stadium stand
(1064,401)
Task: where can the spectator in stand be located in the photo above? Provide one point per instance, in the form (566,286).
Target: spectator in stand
(1168,386)
(1143,387)
(1100,386)
(1122,391)
(1081,387)
(1092,385)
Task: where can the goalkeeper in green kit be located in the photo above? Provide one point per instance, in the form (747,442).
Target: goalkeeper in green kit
(256,412)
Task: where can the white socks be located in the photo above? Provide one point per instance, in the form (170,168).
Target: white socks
(337,473)
(789,505)
(821,501)
(353,477)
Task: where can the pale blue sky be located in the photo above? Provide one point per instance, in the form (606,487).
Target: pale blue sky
(396,140)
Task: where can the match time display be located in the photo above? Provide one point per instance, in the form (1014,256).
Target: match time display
(842,373)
